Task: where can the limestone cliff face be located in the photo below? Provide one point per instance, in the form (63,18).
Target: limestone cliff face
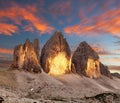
(26,56)
(56,55)
(86,62)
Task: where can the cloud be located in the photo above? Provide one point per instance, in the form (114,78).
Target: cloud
(79,29)
(109,61)
(8,29)
(116,51)
(6,51)
(104,51)
(108,22)
(18,14)
(117,43)
(1,56)
(5,57)
(101,50)
(6,54)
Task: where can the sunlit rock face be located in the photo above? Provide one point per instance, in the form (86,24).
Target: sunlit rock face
(26,56)
(56,55)
(86,61)
(93,68)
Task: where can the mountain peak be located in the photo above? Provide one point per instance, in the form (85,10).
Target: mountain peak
(56,55)
(26,57)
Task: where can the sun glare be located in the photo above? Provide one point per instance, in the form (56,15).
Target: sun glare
(59,64)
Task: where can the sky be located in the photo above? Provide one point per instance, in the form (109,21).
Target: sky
(95,21)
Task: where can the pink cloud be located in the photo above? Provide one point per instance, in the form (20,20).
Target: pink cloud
(101,50)
(108,22)
(111,61)
(6,51)
(8,29)
(17,14)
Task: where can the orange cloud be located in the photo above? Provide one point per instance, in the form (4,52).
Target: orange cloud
(8,29)
(79,29)
(100,50)
(103,51)
(17,14)
(6,51)
(40,24)
(97,49)
(108,22)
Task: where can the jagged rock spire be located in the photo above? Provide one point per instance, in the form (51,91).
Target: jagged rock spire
(55,45)
(26,56)
(86,62)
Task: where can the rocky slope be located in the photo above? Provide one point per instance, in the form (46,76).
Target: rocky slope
(26,56)
(65,89)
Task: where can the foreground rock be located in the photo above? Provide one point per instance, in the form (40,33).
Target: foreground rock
(86,62)
(56,55)
(102,98)
(26,56)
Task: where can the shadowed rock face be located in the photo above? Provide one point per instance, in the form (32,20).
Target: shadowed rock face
(56,55)
(37,48)
(105,71)
(26,57)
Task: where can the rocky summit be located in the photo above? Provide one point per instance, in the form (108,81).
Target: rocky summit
(86,62)
(56,55)
(55,58)
(26,56)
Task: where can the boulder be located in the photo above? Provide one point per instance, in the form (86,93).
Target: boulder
(1,99)
(26,56)
(56,55)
